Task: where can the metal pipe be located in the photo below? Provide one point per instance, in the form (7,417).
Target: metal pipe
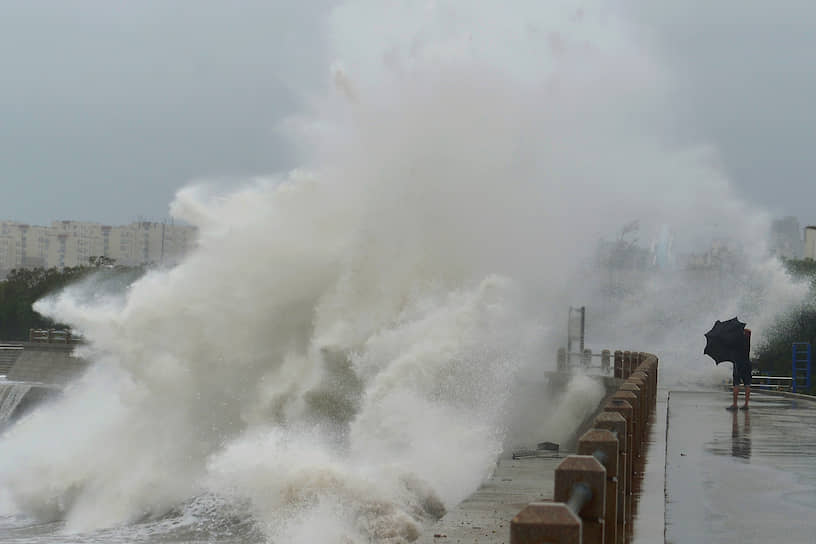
(600,456)
(581,494)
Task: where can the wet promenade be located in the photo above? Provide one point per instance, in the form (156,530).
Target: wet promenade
(741,477)
(708,475)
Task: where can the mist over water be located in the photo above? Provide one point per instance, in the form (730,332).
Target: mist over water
(338,353)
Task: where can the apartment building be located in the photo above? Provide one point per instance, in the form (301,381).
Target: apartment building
(23,245)
(72,243)
(810,242)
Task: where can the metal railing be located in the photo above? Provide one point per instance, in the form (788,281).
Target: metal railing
(53,336)
(565,360)
(774,383)
(593,491)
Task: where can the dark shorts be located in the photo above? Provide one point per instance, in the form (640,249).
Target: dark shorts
(742,373)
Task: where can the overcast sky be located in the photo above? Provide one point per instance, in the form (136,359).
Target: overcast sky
(746,72)
(107,108)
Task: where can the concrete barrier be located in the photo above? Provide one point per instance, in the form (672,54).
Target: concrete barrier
(51,364)
(595,491)
(641,408)
(546,522)
(615,422)
(583,474)
(603,444)
(635,424)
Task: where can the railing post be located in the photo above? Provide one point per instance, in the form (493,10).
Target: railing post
(603,444)
(649,366)
(635,430)
(640,379)
(618,364)
(616,423)
(627,364)
(653,362)
(640,400)
(586,470)
(545,522)
(643,372)
(626,410)
(605,356)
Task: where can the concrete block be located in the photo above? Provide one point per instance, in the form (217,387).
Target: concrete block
(623,408)
(604,442)
(634,426)
(640,379)
(641,403)
(582,469)
(541,522)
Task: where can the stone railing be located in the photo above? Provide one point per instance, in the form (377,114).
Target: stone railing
(52,336)
(592,499)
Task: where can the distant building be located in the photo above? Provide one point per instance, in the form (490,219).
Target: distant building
(22,245)
(810,242)
(722,255)
(663,249)
(72,243)
(786,238)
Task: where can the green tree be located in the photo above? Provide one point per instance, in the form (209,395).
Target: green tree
(23,287)
(796,325)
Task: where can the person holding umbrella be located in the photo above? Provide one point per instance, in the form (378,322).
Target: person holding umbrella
(742,372)
(731,341)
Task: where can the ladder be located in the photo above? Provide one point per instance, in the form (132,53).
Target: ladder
(800,370)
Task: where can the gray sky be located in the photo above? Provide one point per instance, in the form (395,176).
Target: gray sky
(107,108)
(746,72)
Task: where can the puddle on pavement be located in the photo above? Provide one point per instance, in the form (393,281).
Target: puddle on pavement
(744,477)
(648,493)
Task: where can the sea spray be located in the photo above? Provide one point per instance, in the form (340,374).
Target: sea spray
(10,396)
(338,351)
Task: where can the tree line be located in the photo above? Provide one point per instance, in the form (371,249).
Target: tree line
(798,324)
(22,287)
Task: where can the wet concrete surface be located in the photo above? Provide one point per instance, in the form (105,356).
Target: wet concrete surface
(744,476)
(485,516)
(708,475)
(648,483)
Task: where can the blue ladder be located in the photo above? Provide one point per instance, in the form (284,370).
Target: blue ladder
(800,371)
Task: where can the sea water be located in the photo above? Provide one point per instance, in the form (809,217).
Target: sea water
(337,359)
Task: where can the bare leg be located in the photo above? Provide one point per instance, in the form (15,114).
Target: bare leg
(747,395)
(736,393)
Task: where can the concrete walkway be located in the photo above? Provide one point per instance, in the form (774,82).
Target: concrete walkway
(709,475)
(747,476)
(485,516)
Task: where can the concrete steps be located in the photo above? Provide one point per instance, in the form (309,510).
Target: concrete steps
(8,356)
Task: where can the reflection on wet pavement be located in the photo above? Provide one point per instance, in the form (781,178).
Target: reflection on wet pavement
(747,476)
(648,489)
(741,438)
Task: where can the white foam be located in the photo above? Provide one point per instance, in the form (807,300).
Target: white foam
(339,348)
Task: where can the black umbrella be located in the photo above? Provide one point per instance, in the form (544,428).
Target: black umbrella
(726,341)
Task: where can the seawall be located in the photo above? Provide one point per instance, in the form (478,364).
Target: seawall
(41,368)
(49,364)
(519,481)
